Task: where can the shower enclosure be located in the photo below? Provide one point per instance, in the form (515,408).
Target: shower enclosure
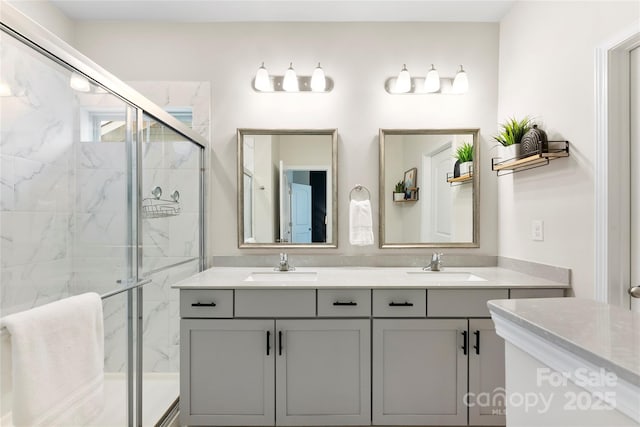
(101,191)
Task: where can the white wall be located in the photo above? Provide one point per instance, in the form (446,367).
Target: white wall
(47,15)
(358,56)
(547,71)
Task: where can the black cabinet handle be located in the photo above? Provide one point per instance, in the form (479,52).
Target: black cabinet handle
(268,342)
(400,304)
(203,304)
(477,346)
(280,343)
(345,303)
(464,342)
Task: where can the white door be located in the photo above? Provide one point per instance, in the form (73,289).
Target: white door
(323,372)
(437,224)
(635,173)
(227,372)
(300,213)
(419,372)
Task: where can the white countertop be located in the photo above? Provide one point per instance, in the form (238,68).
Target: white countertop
(363,277)
(605,335)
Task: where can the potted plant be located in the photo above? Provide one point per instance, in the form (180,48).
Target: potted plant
(398,192)
(464,154)
(510,135)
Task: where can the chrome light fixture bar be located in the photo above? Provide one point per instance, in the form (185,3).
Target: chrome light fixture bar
(290,82)
(404,84)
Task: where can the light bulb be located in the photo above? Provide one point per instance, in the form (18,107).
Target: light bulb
(318,80)
(290,82)
(262,81)
(403,82)
(79,82)
(460,83)
(432,82)
(5,89)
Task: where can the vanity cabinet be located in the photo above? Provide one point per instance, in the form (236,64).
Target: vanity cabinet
(419,372)
(436,370)
(227,372)
(322,372)
(275,371)
(347,356)
(486,398)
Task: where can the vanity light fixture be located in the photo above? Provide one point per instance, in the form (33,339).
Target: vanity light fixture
(262,81)
(403,82)
(460,83)
(432,81)
(79,82)
(290,82)
(431,84)
(318,82)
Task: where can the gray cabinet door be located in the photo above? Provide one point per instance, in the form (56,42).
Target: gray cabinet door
(323,372)
(226,375)
(419,372)
(486,375)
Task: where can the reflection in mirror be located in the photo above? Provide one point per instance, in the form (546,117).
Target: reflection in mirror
(287,188)
(425,199)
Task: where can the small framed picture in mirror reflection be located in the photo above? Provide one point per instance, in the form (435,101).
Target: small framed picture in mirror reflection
(410,179)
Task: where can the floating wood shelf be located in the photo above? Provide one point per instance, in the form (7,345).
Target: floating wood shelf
(416,195)
(531,161)
(459,180)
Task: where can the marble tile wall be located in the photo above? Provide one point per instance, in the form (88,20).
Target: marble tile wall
(36,178)
(63,202)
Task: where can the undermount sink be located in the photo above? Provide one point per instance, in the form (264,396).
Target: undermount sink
(282,276)
(444,276)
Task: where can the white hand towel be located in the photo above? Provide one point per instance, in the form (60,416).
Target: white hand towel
(57,353)
(360,223)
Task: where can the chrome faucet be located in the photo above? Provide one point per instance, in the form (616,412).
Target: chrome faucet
(436,262)
(283,265)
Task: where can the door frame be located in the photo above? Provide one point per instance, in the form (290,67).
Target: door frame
(612,169)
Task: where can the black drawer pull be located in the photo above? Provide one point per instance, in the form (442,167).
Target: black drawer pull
(203,304)
(268,342)
(400,304)
(350,303)
(477,346)
(280,343)
(464,342)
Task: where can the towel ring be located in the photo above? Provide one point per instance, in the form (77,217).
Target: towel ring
(359,188)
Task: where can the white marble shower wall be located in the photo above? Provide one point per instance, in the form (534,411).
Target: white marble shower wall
(36,179)
(173,164)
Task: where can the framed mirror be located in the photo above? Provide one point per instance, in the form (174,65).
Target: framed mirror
(287,188)
(427,198)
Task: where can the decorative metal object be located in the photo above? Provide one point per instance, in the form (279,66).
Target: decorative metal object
(534,142)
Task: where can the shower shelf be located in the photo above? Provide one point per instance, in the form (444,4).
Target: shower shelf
(155,207)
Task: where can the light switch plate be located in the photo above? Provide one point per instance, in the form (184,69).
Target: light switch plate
(537,230)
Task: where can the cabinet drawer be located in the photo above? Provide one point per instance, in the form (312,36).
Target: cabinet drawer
(536,293)
(275,303)
(399,303)
(344,302)
(206,303)
(462,302)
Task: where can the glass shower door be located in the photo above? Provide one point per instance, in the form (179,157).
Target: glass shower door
(171,232)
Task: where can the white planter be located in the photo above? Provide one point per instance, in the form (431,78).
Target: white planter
(509,152)
(397,197)
(466,168)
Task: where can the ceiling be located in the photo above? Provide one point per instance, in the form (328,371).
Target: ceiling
(291,10)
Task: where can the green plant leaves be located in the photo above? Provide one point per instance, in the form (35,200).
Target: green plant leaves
(513,130)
